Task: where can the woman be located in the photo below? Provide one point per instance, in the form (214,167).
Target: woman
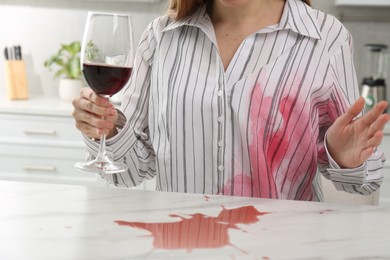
(243,98)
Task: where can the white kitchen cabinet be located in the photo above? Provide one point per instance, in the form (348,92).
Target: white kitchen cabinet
(39,143)
(363,2)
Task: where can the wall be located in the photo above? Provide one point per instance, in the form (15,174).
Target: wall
(367,25)
(41,25)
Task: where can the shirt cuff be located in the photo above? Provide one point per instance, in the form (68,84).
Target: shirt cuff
(333,164)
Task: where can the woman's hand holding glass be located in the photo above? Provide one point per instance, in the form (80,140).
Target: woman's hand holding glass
(94,115)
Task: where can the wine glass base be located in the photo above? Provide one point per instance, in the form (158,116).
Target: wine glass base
(101,167)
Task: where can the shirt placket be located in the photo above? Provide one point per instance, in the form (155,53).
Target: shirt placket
(221,122)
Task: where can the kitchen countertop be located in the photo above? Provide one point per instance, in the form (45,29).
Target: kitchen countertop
(38,104)
(43,105)
(50,221)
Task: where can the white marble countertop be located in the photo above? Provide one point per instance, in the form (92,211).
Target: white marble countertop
(47,221)
(37,105)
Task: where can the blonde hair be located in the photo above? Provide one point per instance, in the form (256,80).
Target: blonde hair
(179,9)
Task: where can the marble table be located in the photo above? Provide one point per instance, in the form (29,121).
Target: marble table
(49,221)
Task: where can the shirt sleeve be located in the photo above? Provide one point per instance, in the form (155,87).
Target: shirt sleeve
(132,144)
(368,177)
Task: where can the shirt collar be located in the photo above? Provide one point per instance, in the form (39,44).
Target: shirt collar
(300,18)
(297,16)
(199,19)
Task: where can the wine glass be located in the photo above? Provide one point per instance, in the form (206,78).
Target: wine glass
(106,63)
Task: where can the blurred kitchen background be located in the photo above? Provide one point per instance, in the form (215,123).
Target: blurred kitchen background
(40,26)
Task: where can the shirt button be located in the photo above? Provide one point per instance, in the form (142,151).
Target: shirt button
(220,143)
(220,93)
(220,168)
(220,119)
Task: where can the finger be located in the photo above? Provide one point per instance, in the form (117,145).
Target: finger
(89,94)
(371,145)
(366,153)
(93,103)
(95,120)
(351,113)
(92,126)
(87,129)
(376,140)
(100,101)
(86,93)
(91,107)
(379,124)
(374,113)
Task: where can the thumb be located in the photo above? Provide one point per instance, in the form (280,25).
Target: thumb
(352,112)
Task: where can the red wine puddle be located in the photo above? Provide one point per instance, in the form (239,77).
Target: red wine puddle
(198,230)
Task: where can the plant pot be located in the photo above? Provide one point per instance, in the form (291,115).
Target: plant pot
(69,88)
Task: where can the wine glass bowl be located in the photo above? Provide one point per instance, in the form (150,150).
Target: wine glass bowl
(106,63)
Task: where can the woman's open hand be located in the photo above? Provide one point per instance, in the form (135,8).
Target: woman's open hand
(351,142)
(94,114)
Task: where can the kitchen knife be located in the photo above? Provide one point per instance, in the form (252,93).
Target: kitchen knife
(6,53)
(18,52)
(11,53)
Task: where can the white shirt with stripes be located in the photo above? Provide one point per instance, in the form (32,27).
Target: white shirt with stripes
(255,129)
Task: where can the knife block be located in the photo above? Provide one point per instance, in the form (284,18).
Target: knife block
(16,79)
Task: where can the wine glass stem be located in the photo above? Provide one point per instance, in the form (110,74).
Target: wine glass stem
(101,156)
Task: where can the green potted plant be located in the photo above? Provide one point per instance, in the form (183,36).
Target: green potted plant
(67,61)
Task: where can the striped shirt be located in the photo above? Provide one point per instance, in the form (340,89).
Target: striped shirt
(255,129)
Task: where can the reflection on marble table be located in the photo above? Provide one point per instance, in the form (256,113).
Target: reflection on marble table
(48,221)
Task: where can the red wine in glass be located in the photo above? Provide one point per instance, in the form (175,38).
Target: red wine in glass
(106,80)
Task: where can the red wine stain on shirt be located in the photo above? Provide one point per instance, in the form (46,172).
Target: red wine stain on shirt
(282,150)
(197,231)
